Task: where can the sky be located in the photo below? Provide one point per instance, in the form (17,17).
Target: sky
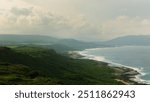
(90,20)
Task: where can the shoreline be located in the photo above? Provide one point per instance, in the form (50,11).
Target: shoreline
(129,75)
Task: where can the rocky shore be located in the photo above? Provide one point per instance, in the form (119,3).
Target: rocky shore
(125,75)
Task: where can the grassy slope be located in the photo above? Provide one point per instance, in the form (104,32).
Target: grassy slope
(35,65)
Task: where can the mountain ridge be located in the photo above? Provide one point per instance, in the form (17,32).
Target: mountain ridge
(64,45)
(46,40)
(129,40)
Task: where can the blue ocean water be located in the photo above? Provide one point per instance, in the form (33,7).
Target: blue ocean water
(133,56)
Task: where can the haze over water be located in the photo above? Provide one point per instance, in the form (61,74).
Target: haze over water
(133,56)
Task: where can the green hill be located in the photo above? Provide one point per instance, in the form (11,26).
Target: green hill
(38,65)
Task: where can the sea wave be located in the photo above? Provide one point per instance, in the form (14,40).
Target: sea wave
(92,57)
(111,63)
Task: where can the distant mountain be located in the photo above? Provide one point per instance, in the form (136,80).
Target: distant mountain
(27,39)
(59,45)
(130,40)
(77,44)
(60,48)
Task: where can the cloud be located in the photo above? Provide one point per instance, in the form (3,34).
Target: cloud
(21,11)
(33,20)
(90,20)
(125,25)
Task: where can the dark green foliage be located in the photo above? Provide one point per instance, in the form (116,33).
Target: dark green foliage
(33,74)
(40,65)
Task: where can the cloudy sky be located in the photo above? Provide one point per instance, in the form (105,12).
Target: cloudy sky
(79,19)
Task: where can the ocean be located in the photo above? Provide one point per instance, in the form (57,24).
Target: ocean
(137,57)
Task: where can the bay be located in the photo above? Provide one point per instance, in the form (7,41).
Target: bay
(133,56)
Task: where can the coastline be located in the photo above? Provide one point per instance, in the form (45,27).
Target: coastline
(127,75)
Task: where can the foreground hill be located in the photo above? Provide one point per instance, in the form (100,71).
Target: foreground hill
(36,65)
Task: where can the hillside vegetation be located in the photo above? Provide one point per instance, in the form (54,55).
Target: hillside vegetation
(39,65)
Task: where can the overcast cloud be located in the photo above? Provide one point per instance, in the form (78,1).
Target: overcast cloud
(80,19)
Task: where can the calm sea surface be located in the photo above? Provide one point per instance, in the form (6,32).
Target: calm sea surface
(133,56)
